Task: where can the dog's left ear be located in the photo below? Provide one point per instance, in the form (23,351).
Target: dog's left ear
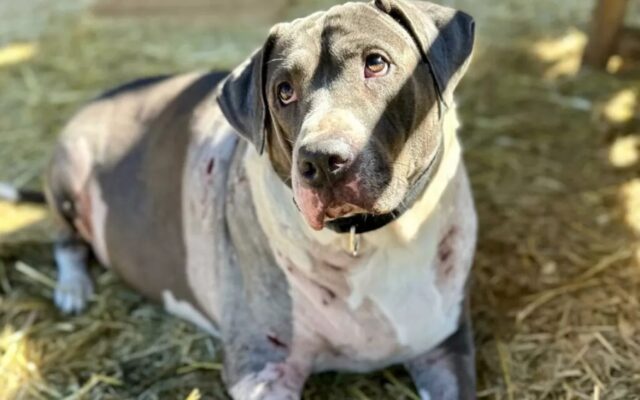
(444,37)
(242,97)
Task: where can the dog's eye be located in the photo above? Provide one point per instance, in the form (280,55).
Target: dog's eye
(286,93)
(375,66)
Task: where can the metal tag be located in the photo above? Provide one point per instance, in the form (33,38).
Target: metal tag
(354,241)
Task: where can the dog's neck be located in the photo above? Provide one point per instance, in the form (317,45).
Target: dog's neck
(289,233)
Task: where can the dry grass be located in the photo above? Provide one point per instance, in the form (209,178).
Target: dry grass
(554,160)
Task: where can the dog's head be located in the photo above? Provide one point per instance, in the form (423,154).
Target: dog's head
(348,102)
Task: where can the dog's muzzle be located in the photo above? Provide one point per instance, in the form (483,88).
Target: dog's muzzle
(362,223)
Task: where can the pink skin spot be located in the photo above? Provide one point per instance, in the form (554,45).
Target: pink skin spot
(312,205)
(316,205)
(353,185)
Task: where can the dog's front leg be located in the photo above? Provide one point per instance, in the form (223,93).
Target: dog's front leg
(448,371)
(276,381)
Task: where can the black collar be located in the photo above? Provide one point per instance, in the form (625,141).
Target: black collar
(370,222)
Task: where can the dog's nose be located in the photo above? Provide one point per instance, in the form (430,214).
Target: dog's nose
(324,163)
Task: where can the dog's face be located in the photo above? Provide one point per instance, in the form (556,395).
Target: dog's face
(348,101)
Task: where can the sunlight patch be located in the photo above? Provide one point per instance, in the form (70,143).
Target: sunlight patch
(16,53)
(17,363)
(615,64)
(14,218)
(563,53)
(621,108)
(625,151)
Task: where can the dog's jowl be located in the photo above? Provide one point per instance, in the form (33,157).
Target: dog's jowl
(310,208)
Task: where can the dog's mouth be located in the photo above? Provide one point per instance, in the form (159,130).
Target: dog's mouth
(342,211)
(319,208)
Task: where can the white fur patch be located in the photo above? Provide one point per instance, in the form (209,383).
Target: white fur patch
(403,287)
(8,192)
(187,312)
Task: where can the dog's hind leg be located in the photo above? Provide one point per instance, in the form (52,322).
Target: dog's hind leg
(71,252)
(64,185)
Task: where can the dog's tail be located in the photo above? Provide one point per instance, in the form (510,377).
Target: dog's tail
(10,193)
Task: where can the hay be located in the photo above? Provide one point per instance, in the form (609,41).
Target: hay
(556,278)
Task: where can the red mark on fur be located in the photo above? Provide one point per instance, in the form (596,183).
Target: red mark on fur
(332,267)
(448,270)
(445,247)
(445,252)
(210,166)
(330,295)
(277,342)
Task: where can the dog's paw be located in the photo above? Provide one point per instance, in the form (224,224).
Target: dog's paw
(73,291)
(274,382)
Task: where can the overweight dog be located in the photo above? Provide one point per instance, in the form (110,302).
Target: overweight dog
(311,208)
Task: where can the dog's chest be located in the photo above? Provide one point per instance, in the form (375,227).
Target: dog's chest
(377,310)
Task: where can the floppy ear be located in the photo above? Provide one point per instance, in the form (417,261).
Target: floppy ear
(242,97)
(444,37)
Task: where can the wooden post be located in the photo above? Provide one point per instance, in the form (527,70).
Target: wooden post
(628,46)
(608,19)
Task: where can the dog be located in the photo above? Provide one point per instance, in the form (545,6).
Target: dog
(311,208)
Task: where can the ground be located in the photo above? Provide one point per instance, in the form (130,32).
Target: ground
(554,159)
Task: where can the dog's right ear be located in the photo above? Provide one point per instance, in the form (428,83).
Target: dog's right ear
(242,96)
